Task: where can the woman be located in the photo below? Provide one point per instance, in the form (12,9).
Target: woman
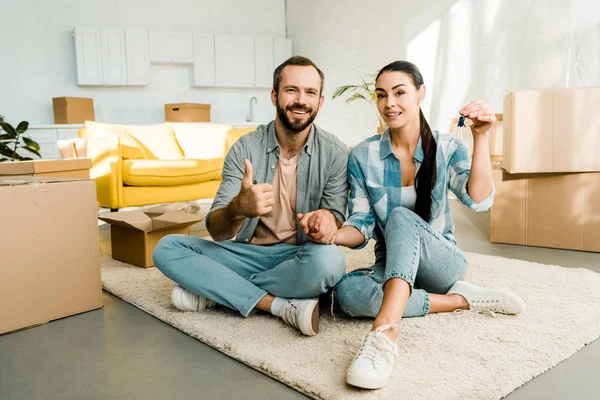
(399,184)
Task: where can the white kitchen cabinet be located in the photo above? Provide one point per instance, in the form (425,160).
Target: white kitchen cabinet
(138,57)
(282,50)
(263,62)
(114,61)
(204,60)
(234,61)
(88,52)
(171,47)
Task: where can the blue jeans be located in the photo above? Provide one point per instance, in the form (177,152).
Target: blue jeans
(238,275)
(415,253)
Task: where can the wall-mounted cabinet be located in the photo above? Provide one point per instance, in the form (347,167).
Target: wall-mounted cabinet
(89,56)
(111,57)
(138,57)
(263,62)
(114,61)
(171,47)
(204,60)
(122,57)
(234,61)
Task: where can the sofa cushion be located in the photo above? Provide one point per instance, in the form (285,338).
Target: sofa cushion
(235,134)
(170,172)
(130,147)
(158,140)
(201,140)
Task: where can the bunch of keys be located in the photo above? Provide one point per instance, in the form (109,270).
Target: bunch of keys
(462,122)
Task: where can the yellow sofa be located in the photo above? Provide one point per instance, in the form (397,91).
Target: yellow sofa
(153,164)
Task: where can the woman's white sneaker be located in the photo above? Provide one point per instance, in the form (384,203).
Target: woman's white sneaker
(302,314)
(185,300)
(480,299)
(373,365)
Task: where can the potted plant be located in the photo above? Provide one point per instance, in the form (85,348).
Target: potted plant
(363,91)
(10,142)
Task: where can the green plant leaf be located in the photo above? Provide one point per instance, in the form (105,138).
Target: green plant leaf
(5,136)
(341,90)
(8,128)
(26,159)
(32,150)
(356,96)
(31,143)
(6,151)
(22,127)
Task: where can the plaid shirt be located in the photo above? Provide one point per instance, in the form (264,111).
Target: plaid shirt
(375,178)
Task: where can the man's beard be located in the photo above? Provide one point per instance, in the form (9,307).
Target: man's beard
(295,126)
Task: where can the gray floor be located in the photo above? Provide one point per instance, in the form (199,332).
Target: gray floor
(120,352)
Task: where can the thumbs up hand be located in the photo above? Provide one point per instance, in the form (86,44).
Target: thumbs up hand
(254,200)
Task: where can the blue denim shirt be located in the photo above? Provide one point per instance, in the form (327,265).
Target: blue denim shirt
(321,182)
(375,180)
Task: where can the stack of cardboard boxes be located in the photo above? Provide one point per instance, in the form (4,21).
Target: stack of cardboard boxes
(49,257)
(548,184)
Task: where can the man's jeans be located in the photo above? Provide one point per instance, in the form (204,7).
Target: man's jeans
(415,253)
(238,275)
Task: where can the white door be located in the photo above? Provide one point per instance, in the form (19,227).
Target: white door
(171,47)
(138,57)
(88,52)
(114,61)
(263,62)
(282,50)
(234,59)
(204,60)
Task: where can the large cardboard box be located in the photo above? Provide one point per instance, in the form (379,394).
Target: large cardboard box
(187,112)
(134,234)
(552,130)
(78,168)
(49,257)
(73,110)
(547,210)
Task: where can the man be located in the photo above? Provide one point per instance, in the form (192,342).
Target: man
(275,179)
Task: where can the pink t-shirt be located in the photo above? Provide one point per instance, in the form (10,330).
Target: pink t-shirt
(279,225)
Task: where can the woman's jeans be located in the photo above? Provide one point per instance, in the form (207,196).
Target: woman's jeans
(415,253)
(238,275)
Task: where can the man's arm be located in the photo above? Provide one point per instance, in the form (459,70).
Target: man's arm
(228,213)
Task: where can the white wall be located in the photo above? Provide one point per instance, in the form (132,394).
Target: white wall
(37,59)
(466,49)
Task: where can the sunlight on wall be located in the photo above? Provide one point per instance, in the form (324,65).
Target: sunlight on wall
(492,7)
(456,81)
(422,51)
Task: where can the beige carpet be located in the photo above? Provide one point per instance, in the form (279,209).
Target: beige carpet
(444,356)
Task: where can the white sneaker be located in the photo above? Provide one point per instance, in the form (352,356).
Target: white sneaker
(302,314)
(489,300)
(373,365)
(185,300)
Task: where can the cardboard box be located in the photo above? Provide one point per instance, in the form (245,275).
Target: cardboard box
(187,112)
(134,234)
(73,110)
(552,130)
(78,168)
(50,263)
(547,210)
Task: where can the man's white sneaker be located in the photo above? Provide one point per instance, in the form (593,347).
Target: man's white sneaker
(373,365)
(302,314)
(185,300)
(480,299)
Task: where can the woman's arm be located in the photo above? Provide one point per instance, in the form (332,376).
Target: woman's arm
(480,183)
(349,236)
